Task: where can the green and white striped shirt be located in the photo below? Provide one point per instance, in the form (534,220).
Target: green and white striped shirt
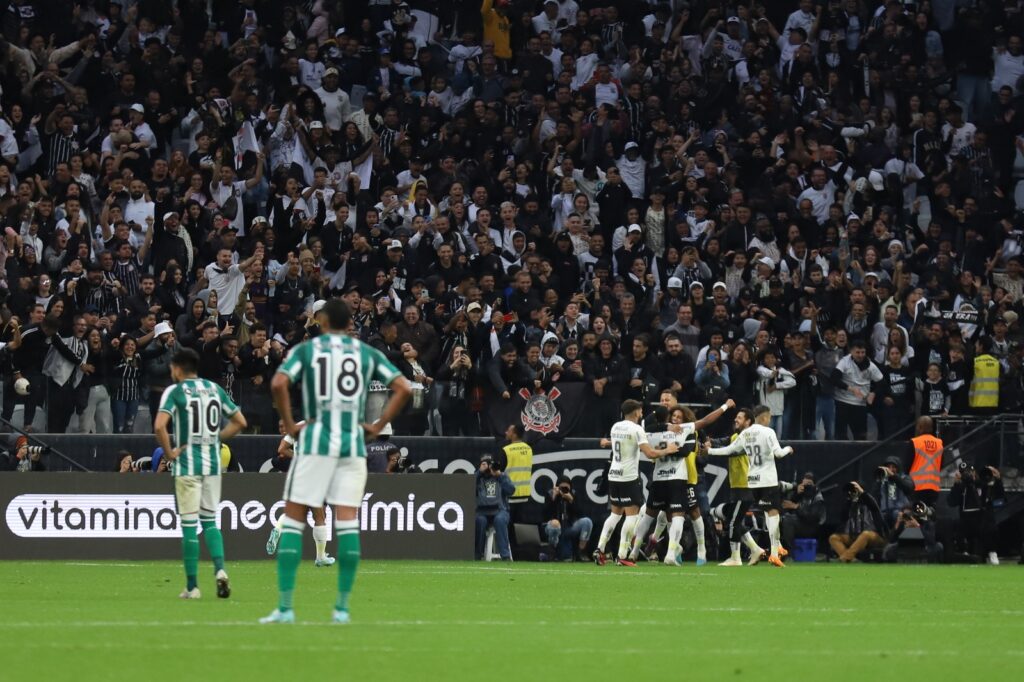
(335,372)
(197,407)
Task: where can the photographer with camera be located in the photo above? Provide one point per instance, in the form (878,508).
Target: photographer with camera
(914,524)
(895,489)
(493,488)
(566,522)
(976,494)
(803,510)
(862,524)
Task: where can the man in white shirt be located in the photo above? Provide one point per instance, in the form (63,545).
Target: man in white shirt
(140,128)
(801,18)
(821,194)
(633,168)
(1009,65)
(337,108)
(547,20)
(228,279)
(138,212)
(227,191)
(961,132)
(625,492)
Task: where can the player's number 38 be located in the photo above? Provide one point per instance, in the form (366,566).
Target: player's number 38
(346,386)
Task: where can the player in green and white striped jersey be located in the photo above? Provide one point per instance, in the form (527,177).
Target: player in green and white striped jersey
(197,407)
(334,371)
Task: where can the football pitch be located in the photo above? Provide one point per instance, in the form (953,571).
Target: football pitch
(466,621)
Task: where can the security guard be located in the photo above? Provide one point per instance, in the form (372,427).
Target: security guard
(984,392)
(518,465)
(927,461)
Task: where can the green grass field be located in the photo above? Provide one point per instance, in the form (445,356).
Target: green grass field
(464,621)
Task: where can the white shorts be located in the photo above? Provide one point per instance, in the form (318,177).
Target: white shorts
(196,494)
(315,479)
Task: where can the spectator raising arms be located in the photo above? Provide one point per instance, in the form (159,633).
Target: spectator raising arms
(802,204)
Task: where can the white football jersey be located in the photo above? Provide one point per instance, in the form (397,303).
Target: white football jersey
(673,467)
(761,446)
(627,438)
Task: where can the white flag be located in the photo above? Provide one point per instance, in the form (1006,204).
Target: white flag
(245,141)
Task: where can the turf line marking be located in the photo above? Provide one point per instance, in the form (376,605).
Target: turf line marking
(102,564)
(360,647)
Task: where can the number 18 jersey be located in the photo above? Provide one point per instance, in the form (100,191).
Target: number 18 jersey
(761,446)
(196,408)
(335,372)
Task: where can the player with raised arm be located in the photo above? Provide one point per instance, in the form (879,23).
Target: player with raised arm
(761,447)
(625,492)
(321,531)
(735,510)
(334,371)
(673,486)
(196,407)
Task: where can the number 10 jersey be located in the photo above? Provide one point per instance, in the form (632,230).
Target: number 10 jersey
(335,372)
(196,408)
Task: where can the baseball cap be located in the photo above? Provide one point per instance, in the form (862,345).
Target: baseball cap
(696,284)
(765,260)
(259,220)
(473,306)
(632,145)
(316,125)
(394,244)
(138,108)
(850,218)
(169,215)
(718,285)
(876,180)
(733,20)
(893,460)
(675,283)
(330,72)
(633,228)
(871,274)
(318,305)
(805,327)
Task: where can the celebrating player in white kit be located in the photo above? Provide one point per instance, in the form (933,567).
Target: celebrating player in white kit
(321,531)
(761,446)
(625,492)
(672,490)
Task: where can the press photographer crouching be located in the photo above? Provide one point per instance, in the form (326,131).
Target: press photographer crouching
(911,525)
(23,456)
(803,510)
(862,524)
(976,493)
(493,488)
(914,532)
(566,523)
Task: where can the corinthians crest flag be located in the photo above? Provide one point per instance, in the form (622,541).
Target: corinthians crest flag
(552,414)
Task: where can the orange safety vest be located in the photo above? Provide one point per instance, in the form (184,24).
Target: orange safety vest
(927,462)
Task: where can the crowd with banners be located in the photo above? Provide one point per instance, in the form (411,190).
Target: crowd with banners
(536,209)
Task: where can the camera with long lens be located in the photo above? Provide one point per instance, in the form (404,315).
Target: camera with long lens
(852,492)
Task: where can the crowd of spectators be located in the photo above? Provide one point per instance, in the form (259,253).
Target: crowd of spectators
(810,205)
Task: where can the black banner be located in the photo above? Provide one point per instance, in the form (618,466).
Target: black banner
(125,516)
(552,414)
(579,458)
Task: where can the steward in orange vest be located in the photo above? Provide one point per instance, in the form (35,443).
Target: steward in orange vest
(927,461)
